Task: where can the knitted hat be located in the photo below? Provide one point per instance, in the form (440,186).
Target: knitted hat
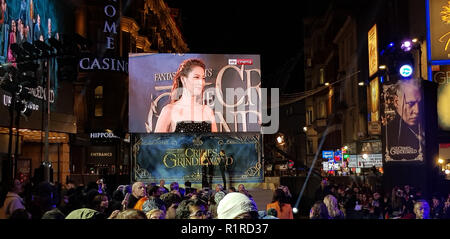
(235,204)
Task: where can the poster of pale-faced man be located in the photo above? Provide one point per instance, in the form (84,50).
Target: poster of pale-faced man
(403,127)
(194,93)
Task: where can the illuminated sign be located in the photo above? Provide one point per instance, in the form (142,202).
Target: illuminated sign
(327,154)
(373,50)
(406,70)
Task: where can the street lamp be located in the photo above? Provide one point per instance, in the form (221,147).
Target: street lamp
(440,161)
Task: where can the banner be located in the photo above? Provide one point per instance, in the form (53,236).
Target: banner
(402,121)
(225,92)
(194,157)
(439,32)
(372,38)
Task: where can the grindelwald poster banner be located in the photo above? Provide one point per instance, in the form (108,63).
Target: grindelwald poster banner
(402,120)
(198,157)
(223,90)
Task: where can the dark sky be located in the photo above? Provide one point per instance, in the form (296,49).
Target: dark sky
(273,30)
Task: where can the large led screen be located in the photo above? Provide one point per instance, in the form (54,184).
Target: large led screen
(195,93)
(403,128)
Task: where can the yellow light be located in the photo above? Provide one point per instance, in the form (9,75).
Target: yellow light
(279,139)
(440,161)
(365,156)
(447,171)
(305,129)
(415,40)
(346,147)
(361,83)
(382,67)
(327,84)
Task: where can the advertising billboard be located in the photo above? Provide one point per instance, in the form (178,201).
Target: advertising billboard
(194,93)
(29,21)
(402,121)
(197,157)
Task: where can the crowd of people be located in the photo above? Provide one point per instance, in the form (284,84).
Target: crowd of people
(151,201)
(364,202)
(137,201)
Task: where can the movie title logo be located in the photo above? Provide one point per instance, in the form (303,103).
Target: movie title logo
(193,157)
(402,150)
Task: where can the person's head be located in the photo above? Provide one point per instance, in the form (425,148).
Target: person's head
(318,211)
(154,191)
(138,190)
(279,196)
(218,196)
(272,212)
(190,78)
(13,25)
(187,184)
(231,189)
(131,214)
(16,186)
(241,187)
(171,201)
(407,102)
(435,201)
(162,182)
(219,187)
(174,186)
(376,195)
(237,206)
(156,214)
(332,205)
(49,25)
(422,209)
(192,209)
(100,202)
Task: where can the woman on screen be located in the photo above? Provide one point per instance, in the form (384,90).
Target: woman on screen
(186,113)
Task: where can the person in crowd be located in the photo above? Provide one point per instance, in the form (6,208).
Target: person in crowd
(154,201)
(214,202)
(161,185)
(171,202)
(280,204)
(333,208)
(237,206)
(231,189)
(130,214)
(319,211)
(93,208)
(175,188)
(323,190)
(243,190)
(377,207)
(422,209)
(398,202)
(192,209)
(138,191)
(13,200)
(64,207)
(437,208)
(155,214)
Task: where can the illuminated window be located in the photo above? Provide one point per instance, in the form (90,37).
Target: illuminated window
(322,76)
(309,115)
(98,93)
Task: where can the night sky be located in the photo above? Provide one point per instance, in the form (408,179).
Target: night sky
(273,30)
